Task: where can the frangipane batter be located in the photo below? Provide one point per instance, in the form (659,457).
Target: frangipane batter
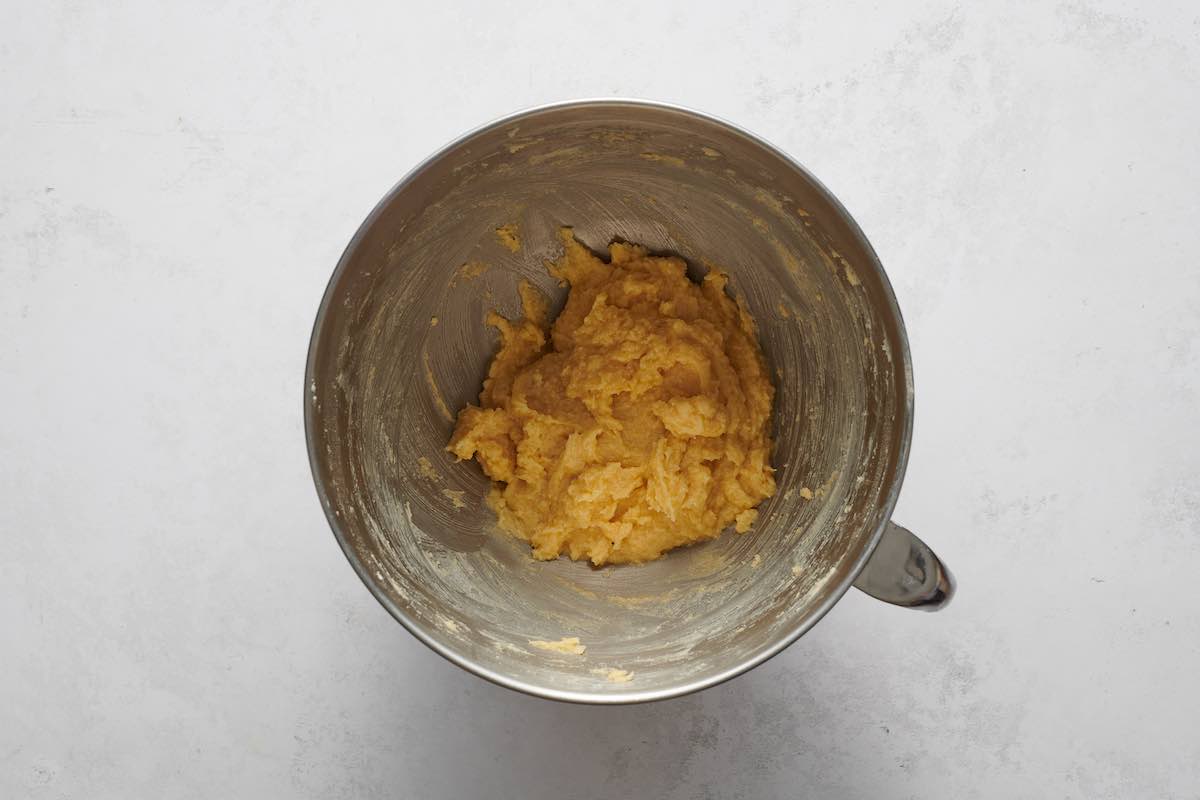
(638,422)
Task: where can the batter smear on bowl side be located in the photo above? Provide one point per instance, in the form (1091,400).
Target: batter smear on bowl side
(638,422)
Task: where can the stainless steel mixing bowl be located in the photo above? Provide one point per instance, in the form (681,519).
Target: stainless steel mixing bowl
(400,345)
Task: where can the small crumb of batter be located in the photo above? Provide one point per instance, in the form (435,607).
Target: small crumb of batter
(568,645)
(710,152)
(806,493)
(509,236)
(435,393)
(674,161)
(797,570)
(756,561)
(433,322)
(637,423)
(455,496)
(614,675)
(519,146)
(468,272)
(427,470)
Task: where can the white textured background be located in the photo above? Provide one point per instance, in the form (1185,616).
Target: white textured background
(176,184)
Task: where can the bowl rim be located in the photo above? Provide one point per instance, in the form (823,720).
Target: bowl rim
(887,504)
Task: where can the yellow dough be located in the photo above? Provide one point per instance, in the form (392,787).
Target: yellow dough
(639,422)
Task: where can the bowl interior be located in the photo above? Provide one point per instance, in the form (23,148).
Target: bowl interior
(401,346)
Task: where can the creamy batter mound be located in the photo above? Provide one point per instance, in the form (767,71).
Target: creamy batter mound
(638,422)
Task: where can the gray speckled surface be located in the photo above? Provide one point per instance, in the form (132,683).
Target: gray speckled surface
(176,618)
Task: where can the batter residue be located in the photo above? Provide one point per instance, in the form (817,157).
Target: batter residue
(638,423)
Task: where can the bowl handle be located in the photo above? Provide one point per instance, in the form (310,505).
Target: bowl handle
(905,572)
